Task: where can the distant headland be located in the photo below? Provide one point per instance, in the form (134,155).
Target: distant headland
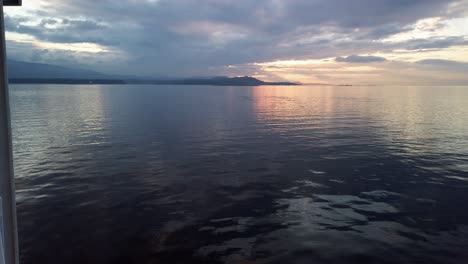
(37,73)
(215,81)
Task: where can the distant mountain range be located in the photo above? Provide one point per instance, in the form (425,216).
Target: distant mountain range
(28,70)
(29,73)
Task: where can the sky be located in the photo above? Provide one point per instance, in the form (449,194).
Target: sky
(360,42)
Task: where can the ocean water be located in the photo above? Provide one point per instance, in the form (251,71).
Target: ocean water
(201,174)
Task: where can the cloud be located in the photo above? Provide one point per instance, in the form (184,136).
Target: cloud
(360,59)
(436,43)
(193,37)
(61,31)
(441,64)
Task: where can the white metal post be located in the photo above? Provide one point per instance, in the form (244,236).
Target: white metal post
(7,190)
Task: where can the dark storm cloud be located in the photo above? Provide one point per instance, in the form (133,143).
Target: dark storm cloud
(360,59)
(193,37)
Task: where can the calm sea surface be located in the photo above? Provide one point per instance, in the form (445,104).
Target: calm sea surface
(201,174)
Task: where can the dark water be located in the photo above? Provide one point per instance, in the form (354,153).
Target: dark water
(155,174)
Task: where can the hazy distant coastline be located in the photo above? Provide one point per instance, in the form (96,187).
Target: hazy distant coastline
(216,81)
(38,73)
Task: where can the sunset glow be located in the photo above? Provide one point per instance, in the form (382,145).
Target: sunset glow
(271,40)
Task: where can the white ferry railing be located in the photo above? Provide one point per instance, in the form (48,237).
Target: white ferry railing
(8,225)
